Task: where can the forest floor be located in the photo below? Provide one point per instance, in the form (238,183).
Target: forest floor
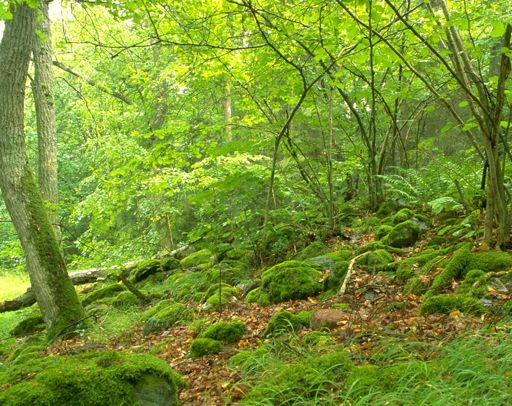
(377,309)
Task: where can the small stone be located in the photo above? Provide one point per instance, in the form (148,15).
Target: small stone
(327,318)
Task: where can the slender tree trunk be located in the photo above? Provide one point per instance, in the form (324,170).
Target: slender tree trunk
(52,286)
(228,113)
(42,87)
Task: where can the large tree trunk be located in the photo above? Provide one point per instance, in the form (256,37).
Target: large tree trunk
(45,112)
(54,291)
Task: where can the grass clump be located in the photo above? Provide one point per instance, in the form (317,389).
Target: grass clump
(444,304)
(226,332)
(284,322)
(204,346)
(291,280)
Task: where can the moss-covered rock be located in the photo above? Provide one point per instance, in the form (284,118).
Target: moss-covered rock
(220,298)
(382,231)
(224,288)
(125,299)
(314,249)
(285,322)
(336,263)
(464,260)
(167,317)
(230,271)
(102,293)
(416,286)
(201,259)
(379,245)
(386,208)
(204,346)
(30,324)
(146,268)
(404,234)
(376,260)
(291,280)
(444,304)
(226,332)
(106,378)
(258,296)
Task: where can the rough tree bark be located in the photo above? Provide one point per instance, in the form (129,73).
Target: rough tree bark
(52,286)
(42,88)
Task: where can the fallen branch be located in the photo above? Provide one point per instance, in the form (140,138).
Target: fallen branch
(349,272)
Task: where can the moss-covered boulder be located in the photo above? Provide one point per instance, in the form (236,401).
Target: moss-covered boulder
(146,268)
(464,260)
(230,271)
(201,259)
(291,280)
(125,299)
(444,304)
(376,260)
(204,346)
(167,317)
(315,249)
(219,298)
(382,231)
(335,263)
(403,235)
(102,293)
(105,378)
(224,331)
(284,322)
(30,324)
(223,287)
(258,296)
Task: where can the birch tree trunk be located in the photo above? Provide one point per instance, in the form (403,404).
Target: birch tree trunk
(52,286)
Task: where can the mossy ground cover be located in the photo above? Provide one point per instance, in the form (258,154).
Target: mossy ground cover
(234,353)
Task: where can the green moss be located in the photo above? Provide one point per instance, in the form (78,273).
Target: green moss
(200,259)
(404,234)
(336,263)
(284,322)
(315,249)
(376,260)
(204,346)
(416,286)
(291,280)
(474,275)
(101,293)
(383,231)
(125,299)
(362,378)
(238,253)
(379,245)
(167,317)
(146,268)
(163,304)
(31,324)
(318,340)
(183,286)
(219,299)
(258,296)
(386,208)
(106,378)
(66,312)
(402,215)
(226,332)
(444,304)
(230,271)
(224,288)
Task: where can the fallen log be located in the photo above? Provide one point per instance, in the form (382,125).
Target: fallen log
(78,278)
